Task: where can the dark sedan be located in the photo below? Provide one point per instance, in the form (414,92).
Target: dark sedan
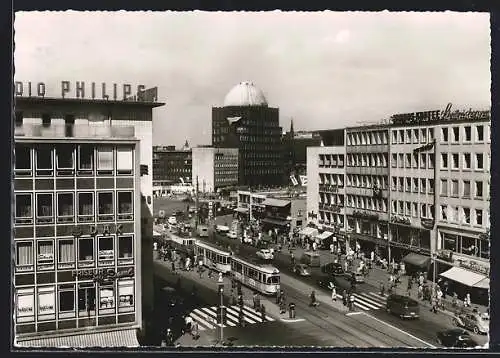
(340,283)
(332,268)
(456,338)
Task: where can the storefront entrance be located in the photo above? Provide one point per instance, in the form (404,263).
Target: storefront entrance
(86,305)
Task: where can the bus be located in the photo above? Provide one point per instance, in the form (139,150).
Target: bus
(264,278)
(213,257)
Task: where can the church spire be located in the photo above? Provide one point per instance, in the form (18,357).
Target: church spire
(291,128)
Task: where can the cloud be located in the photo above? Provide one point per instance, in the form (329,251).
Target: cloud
(342,36)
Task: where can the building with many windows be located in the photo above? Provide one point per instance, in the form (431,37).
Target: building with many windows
(367,178)
(214,168)
(171,165)
(418,190)
(81,223)
(326,181)
(247,123)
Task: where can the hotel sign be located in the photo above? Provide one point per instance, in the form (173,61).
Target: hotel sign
(435,116)
(89,90)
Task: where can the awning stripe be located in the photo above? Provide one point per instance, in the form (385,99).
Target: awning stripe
(308,231)
(463,276)
(118,338)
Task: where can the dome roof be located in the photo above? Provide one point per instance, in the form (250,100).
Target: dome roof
(245,94)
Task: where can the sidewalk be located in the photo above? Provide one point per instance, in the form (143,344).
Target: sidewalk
(378,275)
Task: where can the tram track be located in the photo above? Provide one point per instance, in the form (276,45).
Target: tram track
(352,336)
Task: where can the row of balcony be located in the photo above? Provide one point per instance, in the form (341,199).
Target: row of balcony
(82,128)
(331,207)
(330,188)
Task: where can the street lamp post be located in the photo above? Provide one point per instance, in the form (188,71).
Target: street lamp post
(220,285)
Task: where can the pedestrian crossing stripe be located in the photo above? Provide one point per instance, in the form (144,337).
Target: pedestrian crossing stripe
(368,301)
(207,317)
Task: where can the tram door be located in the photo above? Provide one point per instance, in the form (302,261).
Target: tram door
(86,304)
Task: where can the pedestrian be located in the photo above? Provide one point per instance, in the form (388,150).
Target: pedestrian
(382,289)
(169,338)
(408,290)
(291,310)
(346,266)
(351,302)
(467,299)
(334,293)
(263,312)
(173,266)
(278,294)
(292,257)
(255,300)
(344,297)
(454,300)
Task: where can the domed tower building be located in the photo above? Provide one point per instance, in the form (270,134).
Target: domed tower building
(247,122)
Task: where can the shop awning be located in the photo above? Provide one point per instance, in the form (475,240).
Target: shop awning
(484,283)
(276,202)
(241,210)
(118,338)
(324,235)
(418,260)
(275,221)
(308,231)
(463,276)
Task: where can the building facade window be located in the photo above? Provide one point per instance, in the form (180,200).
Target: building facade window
(45,207)
(25,305)
(455,161)
(64,160)
(444,134)
(467,161)
(124,161)
(106,248)
(45,252)
(44,160)
(86,299)
(86,250)
(126,295)
(24,256)
(466,191)
(66,300)
(66,251)
(454,188)
(65,208)
(456,134)
(125,208)
(105,161)
(479,133)
(467,134)
(24,209)
(106,299)
(85,159)
(444,187)
(479,189)
(85,207)
(105,204)
(23,165)
(125,247)
(46,303)
(479,161)
(444,160)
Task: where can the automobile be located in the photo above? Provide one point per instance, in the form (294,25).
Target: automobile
(222,229)
(402,306)
(332,268)
(172,220)
(301,270)
(247,240)
(472,321)
(327,282)
(357,276)
(265,254)
(232,235)
(456,338)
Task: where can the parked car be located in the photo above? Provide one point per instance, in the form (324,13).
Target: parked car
(172,220)
(402,306)
(232,235)
(301,270)
(248,240)
(456,338)
(473,322)
(265,254)
(222,229)
(356,276)
(332,268)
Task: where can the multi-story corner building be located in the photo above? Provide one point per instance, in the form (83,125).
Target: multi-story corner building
(326,179)
(247,123)
(367,178)
(412,185)
(82,257)
(214,168)
(171,165)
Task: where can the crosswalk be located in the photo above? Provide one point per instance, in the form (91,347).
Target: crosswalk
(368,301)
(207,317)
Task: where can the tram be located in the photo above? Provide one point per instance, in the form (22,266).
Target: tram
(264,278)
(182,244)
(213,257)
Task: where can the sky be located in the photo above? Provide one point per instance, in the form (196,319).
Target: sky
(323,69)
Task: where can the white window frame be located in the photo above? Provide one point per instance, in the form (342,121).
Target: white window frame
(65,218)
(28,317)
(84,217)
(28,267)
(119,238)
(447,156)
(106,305)
(91,239)
(443,138)
(453,166)
(453,134)
(42,260)
(66,313)
(465,134)
(123,302)
(44,219)
(92,158)
(57,148)
(441,193)
(124,216)
(475,217)
(109,254)
(22,171)
(59,241)
(26,219)
(477,162)
(106,217)
(464,163)
(126,171)
(107,170)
